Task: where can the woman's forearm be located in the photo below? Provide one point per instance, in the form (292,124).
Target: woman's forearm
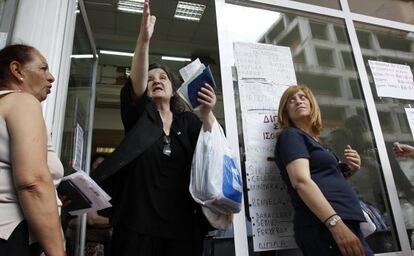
(38,202)
(312,196)
(139,67)
(208,121)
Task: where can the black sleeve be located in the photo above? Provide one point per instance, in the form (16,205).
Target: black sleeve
(194,126)
(132,107)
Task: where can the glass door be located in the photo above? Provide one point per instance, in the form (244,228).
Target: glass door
(76,142)
(302,46)
(7,16)
(389,54)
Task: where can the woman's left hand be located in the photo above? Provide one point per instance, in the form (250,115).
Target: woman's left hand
(207,99)
(352,158)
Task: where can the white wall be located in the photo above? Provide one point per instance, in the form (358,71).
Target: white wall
(49,26)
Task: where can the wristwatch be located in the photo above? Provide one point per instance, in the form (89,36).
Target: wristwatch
(331,222)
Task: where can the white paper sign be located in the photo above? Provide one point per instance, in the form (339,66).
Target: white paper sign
(269,63)
(78,148)
(264,73)
(259,132)
(259,96)
(392,80)
(270,208)
(410,118)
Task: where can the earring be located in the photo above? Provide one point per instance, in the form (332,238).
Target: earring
(21,78)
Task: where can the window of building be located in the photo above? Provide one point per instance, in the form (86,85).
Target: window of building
(396,10)
(394,47)
(329,70)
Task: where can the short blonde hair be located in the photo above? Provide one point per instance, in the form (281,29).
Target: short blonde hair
(315,115)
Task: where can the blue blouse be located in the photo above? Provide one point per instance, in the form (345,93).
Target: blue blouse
(293,144)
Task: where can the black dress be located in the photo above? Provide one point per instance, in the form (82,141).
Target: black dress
(154,213)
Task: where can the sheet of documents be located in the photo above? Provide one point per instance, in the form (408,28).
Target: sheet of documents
(98,197)
(189,70)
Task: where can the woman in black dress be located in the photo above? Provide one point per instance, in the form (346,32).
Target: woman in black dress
(154,213)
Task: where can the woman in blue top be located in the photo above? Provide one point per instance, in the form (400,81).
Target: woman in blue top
(327,210)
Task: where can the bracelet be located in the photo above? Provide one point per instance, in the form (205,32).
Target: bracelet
(329,218)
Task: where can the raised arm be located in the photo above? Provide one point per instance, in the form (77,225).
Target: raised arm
(299,175)
(33,181)
(139,66)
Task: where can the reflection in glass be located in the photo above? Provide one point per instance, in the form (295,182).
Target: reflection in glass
(396,10)
(325,3)
(77,118)
(2,4)
(330,72)
(323,60)
(393,46)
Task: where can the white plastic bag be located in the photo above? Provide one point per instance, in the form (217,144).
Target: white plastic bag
(215,181)
(217,220)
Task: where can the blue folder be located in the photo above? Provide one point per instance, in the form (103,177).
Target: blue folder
(195,85)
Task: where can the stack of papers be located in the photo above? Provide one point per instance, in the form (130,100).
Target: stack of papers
(195,75)
(84,194)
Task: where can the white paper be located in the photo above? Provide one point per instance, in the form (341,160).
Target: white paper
(97,196)
(189,70)
(78,148)
(264,72)
(392,80)
(259,96)
(259,133)
(270,207)
(269,63)
(189,73)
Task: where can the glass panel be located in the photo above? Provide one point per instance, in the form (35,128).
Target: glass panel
(322,60)
(2,5)
(325,3)
(394,47)
(397,10)
(75,133)
(7,16)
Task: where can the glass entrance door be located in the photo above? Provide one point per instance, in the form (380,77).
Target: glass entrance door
(76,142)
(310,45)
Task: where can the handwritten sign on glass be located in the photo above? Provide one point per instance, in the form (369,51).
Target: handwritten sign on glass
(264,72)
(270,209)
(392,80)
